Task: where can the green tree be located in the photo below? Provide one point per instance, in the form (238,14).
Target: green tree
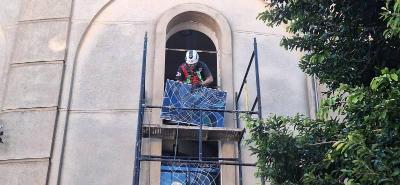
(344,39)
(349,49)
(391,13)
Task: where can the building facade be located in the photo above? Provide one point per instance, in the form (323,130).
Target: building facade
(70,80)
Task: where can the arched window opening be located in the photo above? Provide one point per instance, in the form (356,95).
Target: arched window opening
(184,40)
(176,32)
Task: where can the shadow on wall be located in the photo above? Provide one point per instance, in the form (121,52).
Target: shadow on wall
(3,65)
(1,133)
(2,76)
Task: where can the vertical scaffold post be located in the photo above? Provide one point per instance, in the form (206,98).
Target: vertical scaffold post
(257,79)
(240,141)
(258,89)
(140,116)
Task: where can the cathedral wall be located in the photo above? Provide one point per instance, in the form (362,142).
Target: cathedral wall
(71,79)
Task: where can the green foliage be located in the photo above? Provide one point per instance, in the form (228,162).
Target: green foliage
(391,14)
(370,152)
(287,147)
(355,139)
(362,147)
(344,39)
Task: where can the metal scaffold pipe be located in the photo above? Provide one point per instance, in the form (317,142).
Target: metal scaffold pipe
(199,109)
(140,116)
(258,88)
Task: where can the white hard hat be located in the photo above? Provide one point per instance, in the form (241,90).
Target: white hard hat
(192,57)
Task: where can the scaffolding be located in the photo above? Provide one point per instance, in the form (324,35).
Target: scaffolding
(195,169)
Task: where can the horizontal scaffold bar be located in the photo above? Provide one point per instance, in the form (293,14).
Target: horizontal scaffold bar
(190,157)
(185,50)
(197,161)
(199,109)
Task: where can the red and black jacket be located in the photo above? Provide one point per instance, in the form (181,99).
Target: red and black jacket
(192,75)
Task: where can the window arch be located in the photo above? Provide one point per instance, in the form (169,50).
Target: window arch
(200,18)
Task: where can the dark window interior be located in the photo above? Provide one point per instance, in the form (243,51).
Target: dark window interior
(185,40)
(189,149)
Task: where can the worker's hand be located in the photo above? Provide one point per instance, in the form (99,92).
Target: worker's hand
(196,85)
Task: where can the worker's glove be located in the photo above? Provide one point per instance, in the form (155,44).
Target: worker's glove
(196,86)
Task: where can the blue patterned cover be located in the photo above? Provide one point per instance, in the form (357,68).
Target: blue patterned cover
(180,95)
(187,174)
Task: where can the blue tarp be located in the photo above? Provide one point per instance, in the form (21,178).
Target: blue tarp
(180,95)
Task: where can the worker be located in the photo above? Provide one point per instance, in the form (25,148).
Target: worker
(193,71)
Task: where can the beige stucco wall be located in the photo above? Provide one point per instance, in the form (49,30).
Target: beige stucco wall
(8,24)
(74,80)
(32,46)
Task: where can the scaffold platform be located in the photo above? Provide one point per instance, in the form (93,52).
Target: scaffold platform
(169,132)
